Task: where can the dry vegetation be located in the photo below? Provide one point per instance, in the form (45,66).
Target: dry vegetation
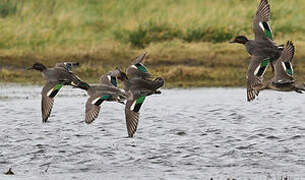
(187,41)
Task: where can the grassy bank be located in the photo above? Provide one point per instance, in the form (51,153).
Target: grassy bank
(186,40)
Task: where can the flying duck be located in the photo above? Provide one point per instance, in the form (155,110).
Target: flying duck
(56,77)
(283,79)
(106,91)
(138,86)
(262,49)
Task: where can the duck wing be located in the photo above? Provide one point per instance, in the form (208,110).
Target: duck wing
(102,93)
(256,71)
(137,69)
(93,107)
(283,66)
(261,27)
(132,109)
(67,65)
(110,78)
(48,93)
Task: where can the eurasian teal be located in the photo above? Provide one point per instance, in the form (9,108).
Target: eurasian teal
(106,91)
(283,79)
(262,49)
(56,78)
(138,86)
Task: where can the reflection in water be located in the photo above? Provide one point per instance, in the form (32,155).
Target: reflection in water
(182,134)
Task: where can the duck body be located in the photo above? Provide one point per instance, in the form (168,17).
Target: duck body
(60,74)
(143,86)
(263,48)
(110,93)
(286,87)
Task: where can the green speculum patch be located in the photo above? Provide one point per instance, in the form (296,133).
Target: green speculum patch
(139,103)
(264,64)
(55,90)
(105,97)
(141,67)
(268,34)
(140,99)
(102,98)
(267,30)
(288,68)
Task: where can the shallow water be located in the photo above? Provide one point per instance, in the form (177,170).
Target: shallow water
(182,134)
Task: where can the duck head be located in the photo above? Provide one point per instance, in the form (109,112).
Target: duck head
(240,40)
(37,66)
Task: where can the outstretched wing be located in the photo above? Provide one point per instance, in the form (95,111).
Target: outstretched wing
(261,27)
(283,67)
(102,93)
(256,71)
(132,108)
(48,93)
(137,69)
(93,107)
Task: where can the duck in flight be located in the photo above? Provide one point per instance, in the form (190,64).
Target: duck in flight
(107,90)
(262,49)
(283,79)
(138,86)
(56,78)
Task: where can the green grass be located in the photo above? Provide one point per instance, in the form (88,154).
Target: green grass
(186,40)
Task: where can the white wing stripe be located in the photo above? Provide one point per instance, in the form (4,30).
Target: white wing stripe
(133,105)
(49,92)
(95,100)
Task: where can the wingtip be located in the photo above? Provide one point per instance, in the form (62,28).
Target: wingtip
(289,43)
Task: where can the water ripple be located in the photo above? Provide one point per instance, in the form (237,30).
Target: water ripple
(182,134)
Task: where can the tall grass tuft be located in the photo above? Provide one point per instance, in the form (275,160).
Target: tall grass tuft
(216,35)
(147,33)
